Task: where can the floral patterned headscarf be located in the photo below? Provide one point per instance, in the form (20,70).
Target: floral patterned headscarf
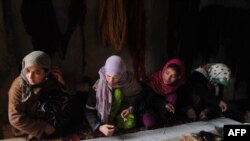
(219,73)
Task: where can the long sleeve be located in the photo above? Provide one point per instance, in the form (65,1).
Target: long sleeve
(132,93)
(153,99)
(90,110)
(17,112)
(199,86)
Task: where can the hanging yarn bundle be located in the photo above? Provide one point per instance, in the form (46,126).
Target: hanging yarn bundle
(112,23)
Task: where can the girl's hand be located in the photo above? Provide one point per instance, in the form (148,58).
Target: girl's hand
(223,106)
(107,129)
(58,74)
(170,108)
(126,112)
(203,114)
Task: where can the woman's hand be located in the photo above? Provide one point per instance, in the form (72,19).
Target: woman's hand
(203,114)
(223,106)
(107,129)
(126,112)
(170,108)
(58,74)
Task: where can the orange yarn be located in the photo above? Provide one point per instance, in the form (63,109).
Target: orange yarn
(112,23)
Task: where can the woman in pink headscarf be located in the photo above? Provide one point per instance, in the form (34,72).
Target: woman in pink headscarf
(111,99)
(161,88)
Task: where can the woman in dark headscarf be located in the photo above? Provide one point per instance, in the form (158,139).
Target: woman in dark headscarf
(161,88)
(37,99)
(111,99)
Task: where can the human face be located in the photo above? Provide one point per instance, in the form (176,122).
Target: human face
(112,80)
(169,76)
(35,74)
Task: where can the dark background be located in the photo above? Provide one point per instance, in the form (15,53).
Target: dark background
(197,31)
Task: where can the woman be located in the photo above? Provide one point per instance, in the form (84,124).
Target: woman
(161,88)
(205,91)
(110,103)
(38,103)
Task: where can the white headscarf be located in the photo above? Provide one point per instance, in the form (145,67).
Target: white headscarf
(219,73)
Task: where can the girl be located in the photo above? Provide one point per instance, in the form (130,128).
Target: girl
(161,89)
(205,89)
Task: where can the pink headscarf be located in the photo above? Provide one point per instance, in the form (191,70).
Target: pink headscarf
(155,81)
(114,66)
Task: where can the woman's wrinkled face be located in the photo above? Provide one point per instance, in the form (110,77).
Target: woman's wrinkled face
(112,80)
(169,76)
(35,74)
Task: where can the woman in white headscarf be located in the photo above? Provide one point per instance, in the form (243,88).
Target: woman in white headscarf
(37,99)
(205,91)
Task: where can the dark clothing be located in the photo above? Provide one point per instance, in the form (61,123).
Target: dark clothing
(202,91)
(52,104)
(155,105)
(154,100)
(90,111)
(200,86)
(62,110)
(200,94)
